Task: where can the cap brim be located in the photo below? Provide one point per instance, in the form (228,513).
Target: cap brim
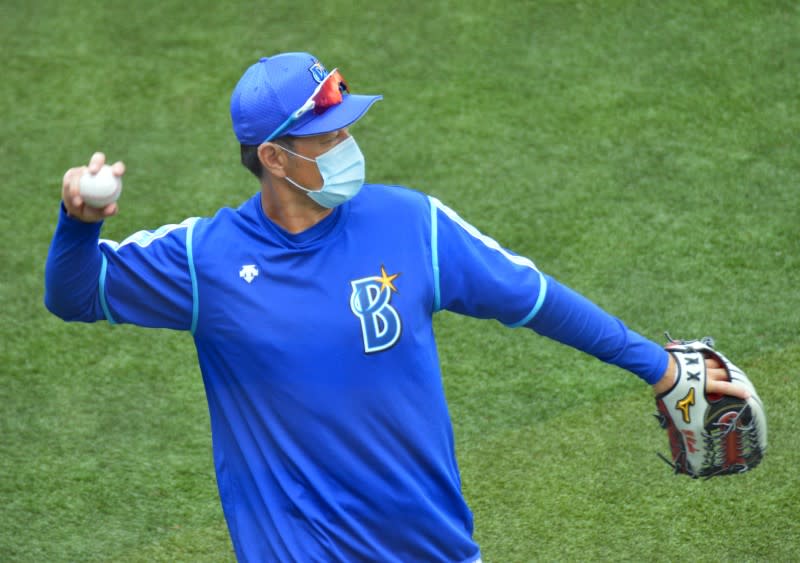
(352,108)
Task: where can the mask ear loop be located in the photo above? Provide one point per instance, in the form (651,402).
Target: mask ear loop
(296,185)
(294,153)
(292,182)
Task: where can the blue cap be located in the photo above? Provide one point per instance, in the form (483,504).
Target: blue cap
(274,87)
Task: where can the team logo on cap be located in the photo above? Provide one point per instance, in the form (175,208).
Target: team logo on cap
(318,71)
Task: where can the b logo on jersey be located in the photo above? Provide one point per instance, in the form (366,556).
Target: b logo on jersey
(370,301)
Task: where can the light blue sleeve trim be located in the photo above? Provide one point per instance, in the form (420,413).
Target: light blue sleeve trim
(537,306)
(193,275)
(437,296)
(103,302)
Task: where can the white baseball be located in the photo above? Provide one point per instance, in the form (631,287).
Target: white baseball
(98,190)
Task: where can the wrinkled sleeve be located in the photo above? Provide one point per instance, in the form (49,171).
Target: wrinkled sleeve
(144,280)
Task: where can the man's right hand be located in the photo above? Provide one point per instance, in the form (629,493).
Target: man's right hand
(70,191)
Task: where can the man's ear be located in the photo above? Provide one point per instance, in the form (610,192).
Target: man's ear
(273,158)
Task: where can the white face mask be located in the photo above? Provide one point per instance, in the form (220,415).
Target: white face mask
(342,170)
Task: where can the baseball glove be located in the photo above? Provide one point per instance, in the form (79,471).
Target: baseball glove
(709,435)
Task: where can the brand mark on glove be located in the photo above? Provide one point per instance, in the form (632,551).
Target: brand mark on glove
(684,404)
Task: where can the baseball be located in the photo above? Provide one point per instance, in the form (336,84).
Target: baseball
(98,190)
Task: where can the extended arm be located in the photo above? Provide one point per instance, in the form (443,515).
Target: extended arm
(477,277)
(569,318)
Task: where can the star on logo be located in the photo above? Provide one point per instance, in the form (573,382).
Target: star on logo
(386,280)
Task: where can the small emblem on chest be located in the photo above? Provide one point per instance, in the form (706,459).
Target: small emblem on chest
(249,272)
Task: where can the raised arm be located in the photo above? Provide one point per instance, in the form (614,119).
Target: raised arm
(74,260)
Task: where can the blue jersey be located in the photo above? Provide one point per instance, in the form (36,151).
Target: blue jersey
(331,435)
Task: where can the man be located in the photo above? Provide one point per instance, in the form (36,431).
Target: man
(311,309)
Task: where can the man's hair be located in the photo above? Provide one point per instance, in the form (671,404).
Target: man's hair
(250,160)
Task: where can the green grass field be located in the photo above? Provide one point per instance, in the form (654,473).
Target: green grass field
(643,152)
